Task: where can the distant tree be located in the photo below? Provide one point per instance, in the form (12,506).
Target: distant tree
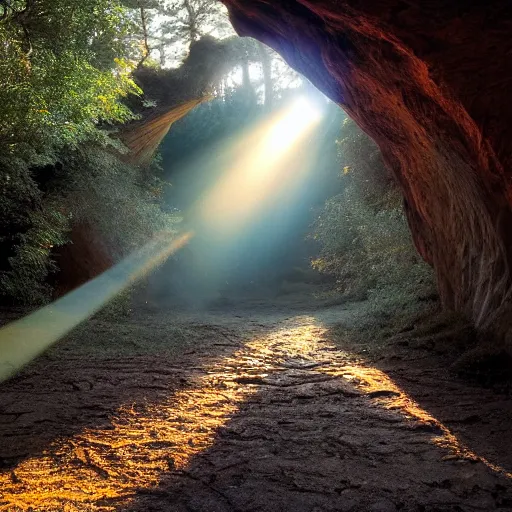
(170,27)
(266,66)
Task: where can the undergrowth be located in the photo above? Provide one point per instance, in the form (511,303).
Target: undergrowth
(365,242)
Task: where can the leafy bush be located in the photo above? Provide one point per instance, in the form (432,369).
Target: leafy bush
(363,234)
(31,263)
(63,74)
(104,192)
(31,225)
(93,187)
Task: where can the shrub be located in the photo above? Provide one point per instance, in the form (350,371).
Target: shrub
(364,239)
(118,200)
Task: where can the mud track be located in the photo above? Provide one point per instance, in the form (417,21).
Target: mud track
(246,411)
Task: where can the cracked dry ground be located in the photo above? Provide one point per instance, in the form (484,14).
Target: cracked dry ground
(239,411)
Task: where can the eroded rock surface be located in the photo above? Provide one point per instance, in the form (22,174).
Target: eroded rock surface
(429,81)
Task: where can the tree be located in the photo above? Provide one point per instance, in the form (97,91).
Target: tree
(171,27)
(61,71)
(63,74)
(266,66)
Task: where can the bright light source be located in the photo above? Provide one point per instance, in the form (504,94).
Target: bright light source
(299,116)
(264,164)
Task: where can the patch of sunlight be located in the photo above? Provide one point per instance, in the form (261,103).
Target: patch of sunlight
(144,441)
(99,469)
(309,340)
(371,380)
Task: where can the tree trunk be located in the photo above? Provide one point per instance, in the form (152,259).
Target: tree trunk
(143,20)
(161,50)
(266,65)
(429,82)
(247,87)
(192,21)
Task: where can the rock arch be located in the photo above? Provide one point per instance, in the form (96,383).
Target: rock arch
(429,82)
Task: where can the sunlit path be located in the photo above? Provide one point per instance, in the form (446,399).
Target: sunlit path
(288,397)
(144,441)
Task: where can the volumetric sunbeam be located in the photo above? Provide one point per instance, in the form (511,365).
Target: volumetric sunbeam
(230,203)
(23,340)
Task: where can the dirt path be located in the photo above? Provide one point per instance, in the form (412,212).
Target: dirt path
(245,412)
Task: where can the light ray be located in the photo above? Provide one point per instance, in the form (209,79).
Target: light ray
(232,201)
(263,164)
(23,340)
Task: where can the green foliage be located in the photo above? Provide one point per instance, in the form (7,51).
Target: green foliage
(110,195)
(173,25)
(61,72)
(25,282)
(64,71)
(31,225)
(94,188)
(364,238)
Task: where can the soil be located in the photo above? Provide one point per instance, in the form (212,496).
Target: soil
(249,407)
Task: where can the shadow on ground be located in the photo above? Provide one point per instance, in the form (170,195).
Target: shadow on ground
(325,431)
(238,410)
(81,383)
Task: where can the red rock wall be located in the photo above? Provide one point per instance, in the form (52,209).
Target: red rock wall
(429,81)
(86,257)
